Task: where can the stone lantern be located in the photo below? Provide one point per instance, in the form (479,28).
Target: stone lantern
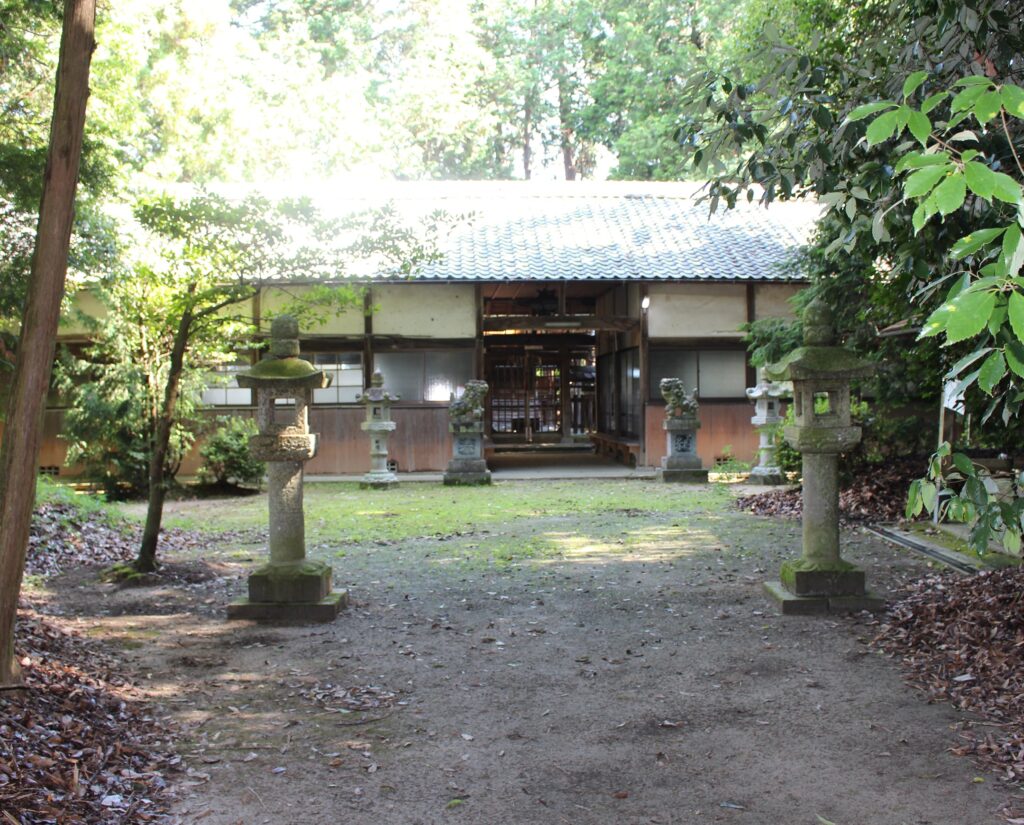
(681,464)
(766,397)
(821,581)
(466,424)
(379,425)
(289,587)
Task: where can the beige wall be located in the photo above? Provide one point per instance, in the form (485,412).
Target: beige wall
(772,300)
(412,310)
(696,310)
(350,322)
(425,310)
(84,302)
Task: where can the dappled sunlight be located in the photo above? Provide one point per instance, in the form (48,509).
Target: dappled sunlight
(576,546)
(645,544)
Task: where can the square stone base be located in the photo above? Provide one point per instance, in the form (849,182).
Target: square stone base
(842,579)
(792,605)
(460,479)
(691,476)
(308,581)
(769,476)
(324,610)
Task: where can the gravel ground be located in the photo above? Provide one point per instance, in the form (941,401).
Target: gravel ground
(622,667)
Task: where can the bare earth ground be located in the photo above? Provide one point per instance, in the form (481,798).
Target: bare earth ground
(619,666)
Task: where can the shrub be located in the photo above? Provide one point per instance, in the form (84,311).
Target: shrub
(227,459)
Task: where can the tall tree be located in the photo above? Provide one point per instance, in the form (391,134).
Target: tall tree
(186,306)
(906,127)
(19,450)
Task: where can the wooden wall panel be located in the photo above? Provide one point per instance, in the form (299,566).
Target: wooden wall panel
(721,424)
(421,441)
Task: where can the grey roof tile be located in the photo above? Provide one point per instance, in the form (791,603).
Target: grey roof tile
(652,232)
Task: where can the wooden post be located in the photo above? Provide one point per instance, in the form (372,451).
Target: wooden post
(564,368)
(19,452)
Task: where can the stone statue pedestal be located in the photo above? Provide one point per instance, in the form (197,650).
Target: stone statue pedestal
(467,465)
(289,587)
(682,464)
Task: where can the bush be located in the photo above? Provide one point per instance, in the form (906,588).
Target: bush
(227,459)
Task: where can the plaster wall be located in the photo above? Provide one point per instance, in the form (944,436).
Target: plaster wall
(696,310)
(425,310)
(350,322)
(86,303)
(772,300)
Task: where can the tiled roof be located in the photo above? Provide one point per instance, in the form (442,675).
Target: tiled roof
(526,230)
(611,231)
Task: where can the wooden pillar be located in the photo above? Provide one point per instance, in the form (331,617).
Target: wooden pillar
(751,316)
(367,337)
(564,368)
(645,377)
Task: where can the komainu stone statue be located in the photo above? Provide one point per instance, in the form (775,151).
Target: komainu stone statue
(678,402)
(470,405)
(466,424)
(681,424)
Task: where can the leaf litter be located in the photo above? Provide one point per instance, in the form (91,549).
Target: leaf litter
(76,746)
(962,639)
(876,496)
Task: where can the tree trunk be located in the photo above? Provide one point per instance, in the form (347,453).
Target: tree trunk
(19,451)
(565,129)
(527,129)
(146,560)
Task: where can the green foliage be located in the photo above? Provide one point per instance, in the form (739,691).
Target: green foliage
(905,126)
(988,514)
(227,459)
(114,388)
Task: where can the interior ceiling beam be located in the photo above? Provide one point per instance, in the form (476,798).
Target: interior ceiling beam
(535,322)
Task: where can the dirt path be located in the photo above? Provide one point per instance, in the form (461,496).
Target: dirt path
(637,675)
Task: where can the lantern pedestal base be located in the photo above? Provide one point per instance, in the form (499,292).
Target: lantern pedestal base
(793,605)
(839,578)
(297,592)
(378,481)
(769,476)
(324,610)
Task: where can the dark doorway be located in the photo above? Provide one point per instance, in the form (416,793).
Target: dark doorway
(540,393)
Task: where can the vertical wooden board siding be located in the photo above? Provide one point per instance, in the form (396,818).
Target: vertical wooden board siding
(342,448)
(425,310)
(696,310)
(420,442)
(54,450)
(772,300)
(722,424)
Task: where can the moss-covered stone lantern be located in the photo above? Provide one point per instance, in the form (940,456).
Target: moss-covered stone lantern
(821,581)
(379,425)
(289,587)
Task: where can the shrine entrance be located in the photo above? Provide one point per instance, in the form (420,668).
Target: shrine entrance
(541,392)
(541,342)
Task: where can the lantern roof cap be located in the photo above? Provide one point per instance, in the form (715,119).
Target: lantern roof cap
(820,363)
(284,373)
